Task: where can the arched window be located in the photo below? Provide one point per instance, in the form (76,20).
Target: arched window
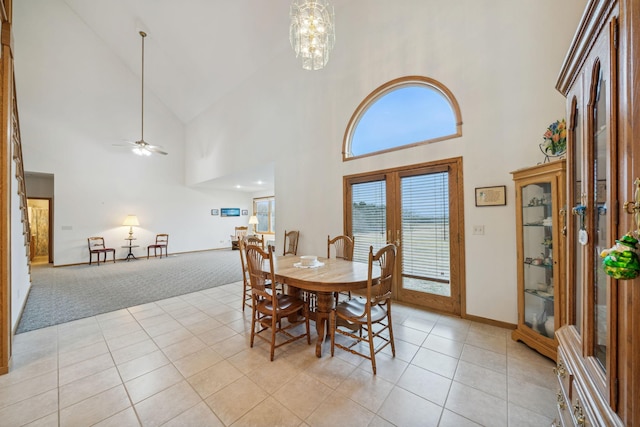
(402,113)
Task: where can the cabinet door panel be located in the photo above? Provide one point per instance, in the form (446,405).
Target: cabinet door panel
(599,147)
(576,196)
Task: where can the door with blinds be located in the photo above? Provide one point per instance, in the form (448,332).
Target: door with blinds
(419,209)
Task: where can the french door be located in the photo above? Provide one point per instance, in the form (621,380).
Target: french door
(419,209)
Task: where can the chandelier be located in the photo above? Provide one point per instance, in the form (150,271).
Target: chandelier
(312,32)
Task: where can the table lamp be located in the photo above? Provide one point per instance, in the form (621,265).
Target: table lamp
(131,220)
(253,220)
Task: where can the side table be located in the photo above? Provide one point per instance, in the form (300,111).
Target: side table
(130,255)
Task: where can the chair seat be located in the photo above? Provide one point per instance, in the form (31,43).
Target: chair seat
(287,304)
(355,307)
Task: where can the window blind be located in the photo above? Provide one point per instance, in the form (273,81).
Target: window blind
(368,218)
(425,227)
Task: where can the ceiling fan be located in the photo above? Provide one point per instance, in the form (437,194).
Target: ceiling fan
(142,147)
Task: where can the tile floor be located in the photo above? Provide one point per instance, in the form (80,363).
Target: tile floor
(186,361)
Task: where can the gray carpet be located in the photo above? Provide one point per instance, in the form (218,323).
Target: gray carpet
(62,294)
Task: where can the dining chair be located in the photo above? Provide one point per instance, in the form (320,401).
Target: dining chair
(246,281)
(342,247)
(240,233)
(291,242)
(369,315)
(162,242)
(270,309)
(96,246)
(254,239)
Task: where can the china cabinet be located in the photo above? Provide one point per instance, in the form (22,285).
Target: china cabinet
(598,360)
(539,203)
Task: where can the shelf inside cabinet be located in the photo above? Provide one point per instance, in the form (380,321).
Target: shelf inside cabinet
(538,265)
(537,206)
(540,294)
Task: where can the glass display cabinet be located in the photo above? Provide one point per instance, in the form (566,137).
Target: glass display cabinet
(598,364)
(540,205)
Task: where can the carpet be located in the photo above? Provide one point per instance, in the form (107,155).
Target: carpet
(62,294)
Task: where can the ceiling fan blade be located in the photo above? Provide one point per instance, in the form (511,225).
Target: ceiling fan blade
(127,144)
(142,145)
(155,149)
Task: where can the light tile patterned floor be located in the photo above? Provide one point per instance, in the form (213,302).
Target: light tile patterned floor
(186,361)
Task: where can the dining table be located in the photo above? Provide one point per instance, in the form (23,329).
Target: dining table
(324,278)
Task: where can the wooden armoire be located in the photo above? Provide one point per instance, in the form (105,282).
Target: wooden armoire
(598,364)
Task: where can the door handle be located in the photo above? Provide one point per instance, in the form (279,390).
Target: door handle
(397,241)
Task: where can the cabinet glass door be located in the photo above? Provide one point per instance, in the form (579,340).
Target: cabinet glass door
(537,246)
(600,219)
(576,221)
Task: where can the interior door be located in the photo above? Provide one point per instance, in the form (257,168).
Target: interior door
(39,215)
(419,209)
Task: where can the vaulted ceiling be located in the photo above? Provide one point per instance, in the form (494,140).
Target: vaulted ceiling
(196,50)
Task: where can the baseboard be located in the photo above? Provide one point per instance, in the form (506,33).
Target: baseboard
(465,316)
(122,259)
(491,322)
(24,304)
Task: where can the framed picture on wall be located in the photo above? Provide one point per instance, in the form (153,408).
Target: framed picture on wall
(491,196)
(229,212)
(214,211)
(245,212)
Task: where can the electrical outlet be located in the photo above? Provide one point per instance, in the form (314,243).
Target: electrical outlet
(478,230)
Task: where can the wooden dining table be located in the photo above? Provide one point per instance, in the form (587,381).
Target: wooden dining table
(335,275)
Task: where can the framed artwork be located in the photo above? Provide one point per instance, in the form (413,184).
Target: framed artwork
(245,212)
(229,212)
(214,211)
(491,196)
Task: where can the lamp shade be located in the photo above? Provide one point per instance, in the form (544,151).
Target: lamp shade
(131,220)
(253,219)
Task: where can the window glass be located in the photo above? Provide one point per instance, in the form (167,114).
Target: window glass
(368,218)
(425,233)
(265,209)
(402,113)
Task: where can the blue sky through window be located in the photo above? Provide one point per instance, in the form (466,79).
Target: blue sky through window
(403,116)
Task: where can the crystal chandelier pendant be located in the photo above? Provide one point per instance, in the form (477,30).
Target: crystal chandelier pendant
(312,32)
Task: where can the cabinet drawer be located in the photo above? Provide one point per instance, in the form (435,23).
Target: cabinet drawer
(565,377)
(580,412)
(564,411)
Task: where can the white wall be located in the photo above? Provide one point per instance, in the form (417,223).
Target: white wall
(73,113)
(500,59)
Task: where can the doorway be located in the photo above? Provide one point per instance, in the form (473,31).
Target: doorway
(420,209)
(39,212)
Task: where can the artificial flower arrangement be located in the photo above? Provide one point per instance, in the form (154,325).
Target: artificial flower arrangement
(555,139)
(621,261)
